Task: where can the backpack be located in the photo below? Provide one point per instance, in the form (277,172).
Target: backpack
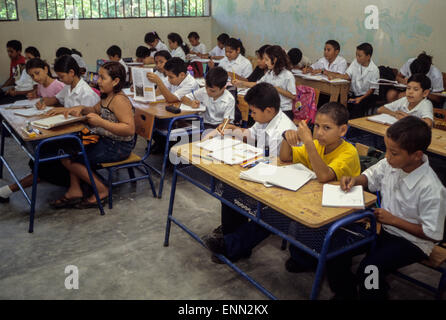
(385,73)
(373,157)
(304,106)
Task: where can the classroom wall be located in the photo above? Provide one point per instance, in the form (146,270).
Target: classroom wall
(406,27)
(93,36)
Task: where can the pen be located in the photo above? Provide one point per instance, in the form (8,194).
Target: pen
(225,123)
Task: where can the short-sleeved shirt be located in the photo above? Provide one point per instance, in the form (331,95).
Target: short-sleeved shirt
(81,95)
(344,160)
(216,110)
(339,65)
(201,48)
(362,76)
(240,65)
(179,53)
(126,69)
(434,75)
(161,46)
(217,52)
(257,74)
(418,197)
(186,86)
(272,132)
(424,109)
(284,80)
(162,77)
(15,63)
(51,91)
(25,83)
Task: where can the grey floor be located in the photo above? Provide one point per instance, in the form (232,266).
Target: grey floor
(121,255)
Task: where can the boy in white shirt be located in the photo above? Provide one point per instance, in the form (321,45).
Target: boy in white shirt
(197,47)
(415,102)
(218,52)
(412,212)
(115,54)
(237,66)
(219,102)
(331,62)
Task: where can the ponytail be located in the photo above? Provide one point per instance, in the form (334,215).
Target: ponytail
(236,44)
(175,37)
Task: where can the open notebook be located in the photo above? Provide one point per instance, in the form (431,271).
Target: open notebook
(201,108)
(218,143)
(386,82)
(334,196)
(32,112)
(383,118)
(22,104)
(55,121)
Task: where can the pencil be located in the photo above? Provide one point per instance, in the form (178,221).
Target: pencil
(225,123)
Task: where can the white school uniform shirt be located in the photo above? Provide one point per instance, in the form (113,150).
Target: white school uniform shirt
(81,63)
(434,74)
(273,130)
(361,76)
(161,46)
(126,69)
(217,52)
(339,65)
(304,62)
(201,48)
(162,77)
(178,52)
(81,95)
(186,86)
(285,80)
(240,66)
(424,109)
(216,110)
(25,83)
(418,197)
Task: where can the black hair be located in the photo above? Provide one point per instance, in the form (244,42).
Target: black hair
(421,64)
(295,56)
(177,65)
(142,52)
(33,51)
(366,48)
(151,37)
(38,63)
(262,96)
(14,44)
(422,79)
(114,51)
(336,111)
(194,35)
(282,60)
(63,51)
(261,51)
(235,44)
(334,44)
(66,63)
(222,38)
(74,51)
(411,134)
(175,37)
(216,77)
(116,70)
(163,53)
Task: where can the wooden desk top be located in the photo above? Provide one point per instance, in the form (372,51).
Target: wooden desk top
(322,83)
(18,122)
(437,146)
(304,206)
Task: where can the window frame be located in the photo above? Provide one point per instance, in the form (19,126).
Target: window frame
(16,10)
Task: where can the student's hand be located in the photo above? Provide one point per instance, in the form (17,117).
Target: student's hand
(153,78)
(355,100)
(56,111)
(306,70)
(347,183)
(32,95)
(74,111)
(195,104)
(383,216)
(292,138)
(304,133)
(40,104)
(11,92)
(211,63)
(94,119)
(238,83)
(313,72)
(228,129)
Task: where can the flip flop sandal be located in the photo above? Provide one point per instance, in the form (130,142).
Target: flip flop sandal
(64,202)
(85,204)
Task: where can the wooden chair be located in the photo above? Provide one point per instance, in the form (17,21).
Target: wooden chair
(144,127)
(440,118)
(244,109)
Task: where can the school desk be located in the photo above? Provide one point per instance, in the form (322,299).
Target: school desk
(14,124)
(437,146)
(336,90)
(280,211)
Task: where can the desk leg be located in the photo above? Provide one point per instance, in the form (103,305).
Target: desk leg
(334,93)
(33,194)
(2,149)
(344,94)
(171,201)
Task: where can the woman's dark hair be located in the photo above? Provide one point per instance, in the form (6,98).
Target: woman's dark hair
(38,63)
(235,44)
(62,51)
(163,53)
(281,59)
(116,70)
(295,56)
(261,51)
(33,51)
(222,38)
(151,37)
(422,64)
(194,35)
(175,37)
(66,63)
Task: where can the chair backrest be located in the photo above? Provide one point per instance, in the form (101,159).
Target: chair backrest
(440,118)
(305,104)
(243,107)
(144,123)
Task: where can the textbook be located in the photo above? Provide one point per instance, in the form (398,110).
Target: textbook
(383,118)
(22,104)
(56,121)
(143,89)
(201,108)
(386,82)
(32,112)
(334,196)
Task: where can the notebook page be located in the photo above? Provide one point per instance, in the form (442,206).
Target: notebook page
(201,108)
(289,178)
(218,143)
(334,196)
(383,118)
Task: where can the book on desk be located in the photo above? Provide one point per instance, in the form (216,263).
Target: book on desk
(383,118)
(56,121)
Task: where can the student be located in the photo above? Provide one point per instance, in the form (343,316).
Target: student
(76,55)
(361,72)
(196,47)
(17,64)
(154,42)
(415,102)
(143,55)
(161,57)
(331,61)
(298,61)
(234,62)
(261,67)
(113,120)
(421,64)
(177,47)
(412,212)
(25,85)
(279,76)
(218,52)
(219,102)
(76,91)
(180,81)
(114,53)
(31,53)
(47,87)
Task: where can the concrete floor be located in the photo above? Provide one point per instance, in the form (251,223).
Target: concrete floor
(121,255)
